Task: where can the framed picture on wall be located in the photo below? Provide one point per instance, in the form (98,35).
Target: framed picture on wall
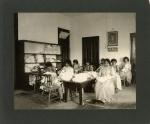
(113,38)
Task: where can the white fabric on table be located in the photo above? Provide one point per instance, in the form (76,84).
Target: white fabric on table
(81,77)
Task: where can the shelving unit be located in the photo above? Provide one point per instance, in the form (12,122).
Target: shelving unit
(37,52)
(33,53)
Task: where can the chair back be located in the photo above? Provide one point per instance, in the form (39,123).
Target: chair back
(49,80)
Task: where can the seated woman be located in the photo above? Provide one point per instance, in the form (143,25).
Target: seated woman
(125,72)
(76,66)
(50,70)
(116,70)
(101,65)
(49,67)
(88,67)
(104,87)
(114,65)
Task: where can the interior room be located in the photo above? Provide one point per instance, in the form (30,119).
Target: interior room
(75,60)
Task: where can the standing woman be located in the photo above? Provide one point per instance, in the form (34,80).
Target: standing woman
(116,69)
(104,88)
(67,71)
(125,73)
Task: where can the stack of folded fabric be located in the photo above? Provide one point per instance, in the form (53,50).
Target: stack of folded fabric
(93,74)
(81,77)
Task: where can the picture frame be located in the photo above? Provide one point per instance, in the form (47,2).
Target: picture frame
(112,38)
(112,49)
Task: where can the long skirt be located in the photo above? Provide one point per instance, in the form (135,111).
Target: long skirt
(126,76)
(104,89)
(117,82)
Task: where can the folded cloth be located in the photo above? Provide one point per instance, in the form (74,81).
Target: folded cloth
(81,77)
(93,74)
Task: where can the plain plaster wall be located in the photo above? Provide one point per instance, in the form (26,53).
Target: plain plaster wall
(98,24)
(43,27)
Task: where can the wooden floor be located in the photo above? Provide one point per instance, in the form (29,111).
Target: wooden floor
(125,99)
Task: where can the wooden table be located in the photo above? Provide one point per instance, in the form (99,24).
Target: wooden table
(80,85)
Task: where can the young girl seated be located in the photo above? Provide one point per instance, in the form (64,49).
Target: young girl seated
(88,67)
(125,72)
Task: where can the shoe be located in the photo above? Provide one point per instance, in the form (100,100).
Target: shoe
(91,101)
(100,102)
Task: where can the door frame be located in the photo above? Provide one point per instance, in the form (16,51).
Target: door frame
(98,46)
(133,65)
(68,31)
(131,40)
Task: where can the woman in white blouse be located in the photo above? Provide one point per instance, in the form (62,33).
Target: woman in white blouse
(67,71)
(104,87)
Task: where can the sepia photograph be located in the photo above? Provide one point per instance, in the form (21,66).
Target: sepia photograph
(75,60)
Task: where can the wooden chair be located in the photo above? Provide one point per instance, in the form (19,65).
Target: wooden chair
(52,90)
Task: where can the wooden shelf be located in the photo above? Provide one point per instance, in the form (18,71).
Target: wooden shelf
(30,41)
(42,54)
(41,62)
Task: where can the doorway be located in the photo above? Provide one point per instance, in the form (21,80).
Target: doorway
(64,42)
(90,50)
(133,56)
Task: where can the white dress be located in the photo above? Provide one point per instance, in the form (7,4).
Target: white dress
(104,88)
(117,83)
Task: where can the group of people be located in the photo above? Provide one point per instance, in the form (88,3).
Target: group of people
(108,76)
